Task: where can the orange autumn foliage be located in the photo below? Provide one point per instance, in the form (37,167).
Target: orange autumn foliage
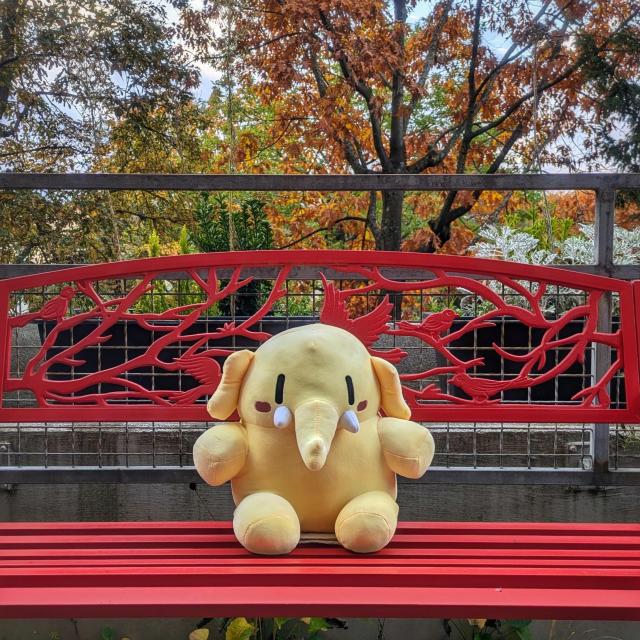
(369,87)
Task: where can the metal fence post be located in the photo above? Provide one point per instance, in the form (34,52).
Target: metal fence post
(4,340)
(601,360)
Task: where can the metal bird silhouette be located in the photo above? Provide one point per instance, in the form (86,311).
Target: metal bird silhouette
(203,369)
(367,328)
(436,324)
(480,389)
(54,309)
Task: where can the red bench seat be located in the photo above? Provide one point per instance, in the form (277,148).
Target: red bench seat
(459,569)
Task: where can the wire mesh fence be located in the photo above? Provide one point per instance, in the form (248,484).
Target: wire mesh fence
(168,445)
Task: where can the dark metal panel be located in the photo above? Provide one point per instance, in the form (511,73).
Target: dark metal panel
(369,182)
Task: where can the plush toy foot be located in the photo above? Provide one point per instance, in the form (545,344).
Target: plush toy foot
(368,522)
(266,523)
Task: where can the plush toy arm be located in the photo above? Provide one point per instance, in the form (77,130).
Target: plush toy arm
(408,447)
(220,453)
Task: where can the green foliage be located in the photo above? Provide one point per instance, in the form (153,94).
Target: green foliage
(184,241)
(247,228)
(67,68)
(278,628)
(534,222)
(153,245)
(619,105)
(219,229)
(299,300)
(187,291)
(167,294)
(240,629)
(107,633)
(157,299)
(488,629)
(100,87)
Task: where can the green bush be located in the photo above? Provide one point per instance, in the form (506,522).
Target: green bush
(246,229)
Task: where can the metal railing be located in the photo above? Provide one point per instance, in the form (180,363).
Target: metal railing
(589,455)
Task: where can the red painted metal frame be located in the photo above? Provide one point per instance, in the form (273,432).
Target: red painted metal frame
(437,569)
(366,272)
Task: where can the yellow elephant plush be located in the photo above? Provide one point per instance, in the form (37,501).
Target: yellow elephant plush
(311,452)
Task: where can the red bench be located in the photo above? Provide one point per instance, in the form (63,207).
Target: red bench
(436,569)
(488,570)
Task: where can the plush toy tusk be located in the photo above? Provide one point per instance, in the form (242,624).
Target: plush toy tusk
(282,417)
(349,421)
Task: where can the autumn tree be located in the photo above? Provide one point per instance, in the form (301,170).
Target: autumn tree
(467,86)
(66,66)
(91,85)
(615,97)
(238,137)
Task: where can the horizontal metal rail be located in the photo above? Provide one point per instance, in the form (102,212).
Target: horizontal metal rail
(181,475)
(363,182)
(619,271)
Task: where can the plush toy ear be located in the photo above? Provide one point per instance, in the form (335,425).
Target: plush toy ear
(390,389)
(224,401)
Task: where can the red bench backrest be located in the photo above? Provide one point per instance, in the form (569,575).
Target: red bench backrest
(82,310)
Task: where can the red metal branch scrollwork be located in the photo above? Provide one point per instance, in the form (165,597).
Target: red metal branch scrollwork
(179,344)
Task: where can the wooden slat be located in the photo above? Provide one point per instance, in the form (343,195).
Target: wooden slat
(312,563)
(468,541)
(445,569)
(207,527)
(167,601)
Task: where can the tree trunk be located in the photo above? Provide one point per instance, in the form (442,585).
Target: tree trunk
(391,238)
(391,227)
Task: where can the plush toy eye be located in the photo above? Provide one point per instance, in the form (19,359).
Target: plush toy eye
(350,391)
(280,388)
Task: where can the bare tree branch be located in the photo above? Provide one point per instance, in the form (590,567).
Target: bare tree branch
(429,59)
(433,157)
(321,229)
(441,226)
(349,151)
(365,91)
(545,85)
